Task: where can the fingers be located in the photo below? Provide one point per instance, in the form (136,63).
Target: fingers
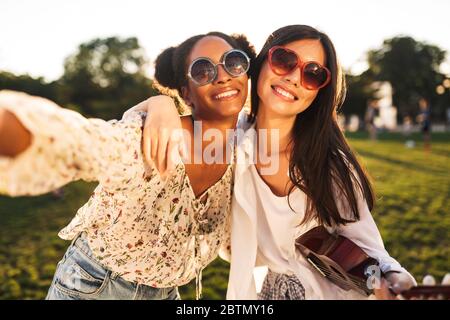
(162,149)
(154,145)
(182,148)
(400,281)
(172,153)
(162,119)
(397,288)
(176,150)
(383,292)
(161,156)
(147,144)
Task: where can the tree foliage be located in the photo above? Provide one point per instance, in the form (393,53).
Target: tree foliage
(103,78)
(106,76)
(358,93)
(412,68)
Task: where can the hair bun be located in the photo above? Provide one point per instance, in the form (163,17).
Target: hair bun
(244,45)
(164,72)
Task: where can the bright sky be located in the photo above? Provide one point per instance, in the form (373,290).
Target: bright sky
(36,36)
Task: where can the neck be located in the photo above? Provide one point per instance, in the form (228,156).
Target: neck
(221,124)
(217,138)
(270,121)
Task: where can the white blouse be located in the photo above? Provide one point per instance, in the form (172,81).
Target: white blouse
(276,226)
(150,231)
(264,230)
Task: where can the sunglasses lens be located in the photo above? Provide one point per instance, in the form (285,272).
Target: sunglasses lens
(314,76)
(236,63)
(202,71)
(283,61)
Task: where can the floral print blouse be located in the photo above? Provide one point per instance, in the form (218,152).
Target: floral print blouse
(149,230)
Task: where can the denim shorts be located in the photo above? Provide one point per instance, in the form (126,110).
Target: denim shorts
(79,276)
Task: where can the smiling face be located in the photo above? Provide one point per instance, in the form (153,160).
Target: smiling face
(284,95)
(226,95)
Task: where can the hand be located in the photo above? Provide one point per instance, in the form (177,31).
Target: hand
(393,284)
(14,137)
(383,292)
(162,136)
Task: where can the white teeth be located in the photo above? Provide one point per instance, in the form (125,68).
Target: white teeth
(226,94)
(284,93)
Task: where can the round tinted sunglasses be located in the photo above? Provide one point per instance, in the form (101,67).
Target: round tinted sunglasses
(283,61)
(203,70)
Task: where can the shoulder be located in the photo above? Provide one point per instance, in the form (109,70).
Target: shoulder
(131,124)
(132,118)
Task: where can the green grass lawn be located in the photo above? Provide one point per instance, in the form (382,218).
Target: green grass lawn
(412,212)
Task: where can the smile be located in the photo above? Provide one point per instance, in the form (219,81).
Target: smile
(226,95)
(284,93)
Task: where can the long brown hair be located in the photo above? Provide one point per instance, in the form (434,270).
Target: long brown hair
(322,163)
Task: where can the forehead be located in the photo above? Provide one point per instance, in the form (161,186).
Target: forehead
(211,47)
(308,50)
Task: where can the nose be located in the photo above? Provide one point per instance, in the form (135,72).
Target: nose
(294,77)
(222,76)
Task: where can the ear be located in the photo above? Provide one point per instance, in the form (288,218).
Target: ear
(186,96)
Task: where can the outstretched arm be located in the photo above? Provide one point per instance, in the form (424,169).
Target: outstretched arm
(44,146)
(14,137)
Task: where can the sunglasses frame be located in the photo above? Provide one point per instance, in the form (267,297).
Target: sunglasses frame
(301,65)
(222,59)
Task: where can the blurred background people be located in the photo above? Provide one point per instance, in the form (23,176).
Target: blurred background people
(369,119)
(425,123)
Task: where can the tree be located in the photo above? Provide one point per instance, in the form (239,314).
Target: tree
(106,76)
(412,68)
(25,83)
(359,91)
